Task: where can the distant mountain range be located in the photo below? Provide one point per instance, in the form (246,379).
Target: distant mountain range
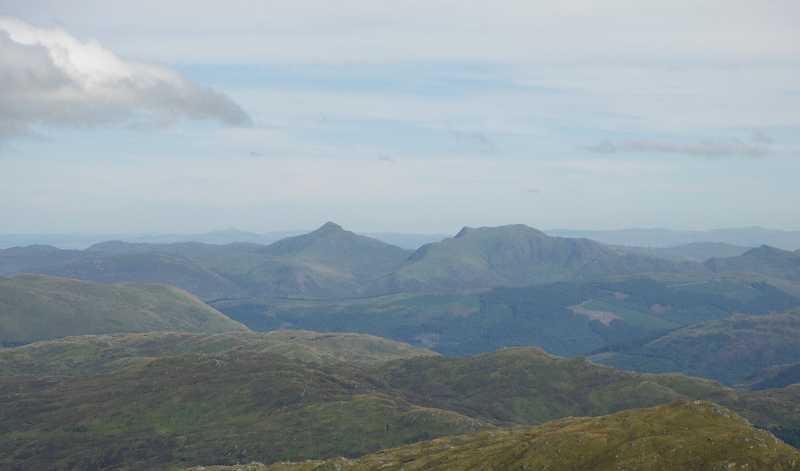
(647,238)
(216,237)
(745,237)
(331,262)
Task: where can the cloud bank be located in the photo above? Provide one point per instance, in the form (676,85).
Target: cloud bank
(50,77)
(711,148)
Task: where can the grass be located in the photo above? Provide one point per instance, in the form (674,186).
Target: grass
(34,307)
(93,354)
(679,436)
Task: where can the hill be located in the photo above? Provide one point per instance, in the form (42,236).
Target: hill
(762,260)
(727,350)
(529,386)
(678,436)
(93,354)
(513,256)
(240,405)
(34,307)
(694,252)
(208,409)
(744,237)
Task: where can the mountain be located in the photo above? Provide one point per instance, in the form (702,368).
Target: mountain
(762,260)
(694,252)
(332,263)
(92,354)
(678,436)
(727,350)
(514,256)
(34,307)
(745,237)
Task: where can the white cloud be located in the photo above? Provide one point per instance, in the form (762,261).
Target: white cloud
(711,148)
(50,77)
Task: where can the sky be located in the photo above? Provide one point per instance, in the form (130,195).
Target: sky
(388,116)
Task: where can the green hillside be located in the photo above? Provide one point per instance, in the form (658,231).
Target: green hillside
(528,386)
(728,350)
(563,318)
(683,435)
(208,409)
(244,404)
(92,354)
(34,307)
(149,267)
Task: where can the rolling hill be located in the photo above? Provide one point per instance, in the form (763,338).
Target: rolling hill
(93,354)
(679,436)
(35,307)
(762,260)
(208,409)
(190,408)
(727,350)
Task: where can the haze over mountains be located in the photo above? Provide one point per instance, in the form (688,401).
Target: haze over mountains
(171,381)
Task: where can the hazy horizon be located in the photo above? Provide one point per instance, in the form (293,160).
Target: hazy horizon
(421,117)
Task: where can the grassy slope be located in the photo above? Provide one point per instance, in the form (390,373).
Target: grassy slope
(728,350)
(679,436)
(243,405)
(148,267)
(206,409)
(528,386)
(34,307)
(92,354)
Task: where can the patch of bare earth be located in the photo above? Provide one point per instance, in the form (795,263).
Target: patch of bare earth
(603,316)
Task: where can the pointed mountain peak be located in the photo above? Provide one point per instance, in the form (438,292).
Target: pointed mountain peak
(327,228)
(463,232)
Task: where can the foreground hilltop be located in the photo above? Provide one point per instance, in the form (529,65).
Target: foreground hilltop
(679,436)
(166,401)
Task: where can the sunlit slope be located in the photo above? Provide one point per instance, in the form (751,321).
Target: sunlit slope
(728,350)
(91,354)
(206,409)
(683,435)
(34,307)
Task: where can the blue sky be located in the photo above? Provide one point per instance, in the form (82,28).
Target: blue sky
(187,116)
